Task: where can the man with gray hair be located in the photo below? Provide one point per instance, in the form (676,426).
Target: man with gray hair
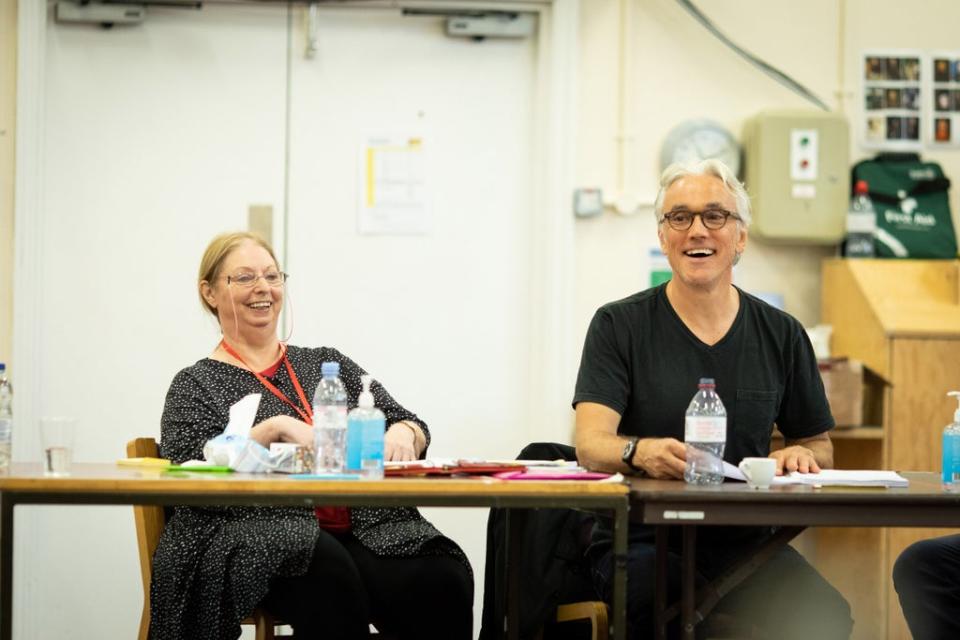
(642,359)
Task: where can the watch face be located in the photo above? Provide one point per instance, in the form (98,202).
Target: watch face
(698,140)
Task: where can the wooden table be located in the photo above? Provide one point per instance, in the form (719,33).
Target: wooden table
(104,484)
(669,503)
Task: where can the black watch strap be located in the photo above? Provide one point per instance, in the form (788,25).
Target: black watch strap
(628,450)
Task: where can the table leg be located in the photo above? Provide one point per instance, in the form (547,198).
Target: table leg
(6,567)
(621,523)
(688,582)
(660,584)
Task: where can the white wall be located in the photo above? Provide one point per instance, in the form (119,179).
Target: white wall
(8,99)
(145,156)
(154,138)
(679,71)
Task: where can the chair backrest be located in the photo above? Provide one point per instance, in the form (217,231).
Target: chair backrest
(149,521)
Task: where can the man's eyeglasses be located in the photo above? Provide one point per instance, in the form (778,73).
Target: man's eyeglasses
(249,278)
(713,219)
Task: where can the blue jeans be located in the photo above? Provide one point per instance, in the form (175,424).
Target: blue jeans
(785,598)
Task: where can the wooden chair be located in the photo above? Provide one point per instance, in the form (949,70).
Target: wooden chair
(595,612)
(150,521)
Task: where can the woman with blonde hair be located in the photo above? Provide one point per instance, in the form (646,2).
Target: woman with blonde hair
(328,572)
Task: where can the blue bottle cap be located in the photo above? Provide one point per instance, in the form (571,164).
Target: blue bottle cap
(330,369)
(707,381)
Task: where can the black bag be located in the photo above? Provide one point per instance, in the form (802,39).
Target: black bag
(910,197)
(554,569)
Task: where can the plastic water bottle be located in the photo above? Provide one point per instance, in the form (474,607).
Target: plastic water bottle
(365,429)
(329,420)
(6,418)
(951,448)
(861,223)
(705,433)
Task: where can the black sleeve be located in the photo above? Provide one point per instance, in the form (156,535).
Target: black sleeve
(350,373)
(191,417)
(804,411)
(604,375)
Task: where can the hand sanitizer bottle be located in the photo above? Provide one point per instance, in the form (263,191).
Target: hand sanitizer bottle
(365,428)
(951,447)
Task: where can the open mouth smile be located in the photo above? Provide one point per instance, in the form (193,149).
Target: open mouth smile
(699,253)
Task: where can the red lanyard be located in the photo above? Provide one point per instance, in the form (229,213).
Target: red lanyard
(306,416)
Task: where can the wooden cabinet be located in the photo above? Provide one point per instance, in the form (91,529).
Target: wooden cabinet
(902,319)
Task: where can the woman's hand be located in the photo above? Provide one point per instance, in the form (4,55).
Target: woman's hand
(283,429)
(400,443)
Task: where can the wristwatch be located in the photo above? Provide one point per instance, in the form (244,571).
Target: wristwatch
(627,456)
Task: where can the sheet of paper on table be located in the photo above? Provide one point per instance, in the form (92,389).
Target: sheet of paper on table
(830,477)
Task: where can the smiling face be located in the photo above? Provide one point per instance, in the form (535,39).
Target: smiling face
(700,257)
(244,311)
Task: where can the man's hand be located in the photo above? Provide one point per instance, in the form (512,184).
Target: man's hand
(795,458)
(661,457)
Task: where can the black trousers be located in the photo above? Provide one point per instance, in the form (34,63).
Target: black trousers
(785,598)
(346,587)
(927,579)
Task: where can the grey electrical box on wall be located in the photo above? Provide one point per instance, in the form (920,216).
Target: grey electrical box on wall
(797,175)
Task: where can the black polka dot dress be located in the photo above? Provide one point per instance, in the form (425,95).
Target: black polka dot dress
(214,564)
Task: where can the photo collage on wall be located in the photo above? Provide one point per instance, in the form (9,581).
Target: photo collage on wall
(893,100)
(945,116)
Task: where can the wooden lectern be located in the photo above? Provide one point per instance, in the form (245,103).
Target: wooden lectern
(902,319)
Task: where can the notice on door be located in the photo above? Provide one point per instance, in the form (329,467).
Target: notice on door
(393,186)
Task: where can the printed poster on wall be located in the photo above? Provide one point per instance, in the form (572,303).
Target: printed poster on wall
(393,195)
(944,110)
(893,97)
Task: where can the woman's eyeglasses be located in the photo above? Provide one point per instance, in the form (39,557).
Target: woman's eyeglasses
(249,278)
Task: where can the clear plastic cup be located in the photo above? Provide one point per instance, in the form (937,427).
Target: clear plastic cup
(57,435)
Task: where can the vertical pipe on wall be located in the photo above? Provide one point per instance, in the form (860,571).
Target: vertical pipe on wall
(841,93)
(625,198)
(29,274)
(622,61)
(8,93)
(285,218)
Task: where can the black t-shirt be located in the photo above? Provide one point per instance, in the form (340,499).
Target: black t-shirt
(640,360)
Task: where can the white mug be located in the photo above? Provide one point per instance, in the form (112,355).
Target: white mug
(758,471)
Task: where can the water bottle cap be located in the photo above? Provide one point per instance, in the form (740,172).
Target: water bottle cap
(3,367)
(861,187)
(330,369)
(707,382)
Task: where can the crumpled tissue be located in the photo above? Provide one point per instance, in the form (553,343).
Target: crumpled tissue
(235,449)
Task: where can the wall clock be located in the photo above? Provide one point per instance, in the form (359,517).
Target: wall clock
(698,140)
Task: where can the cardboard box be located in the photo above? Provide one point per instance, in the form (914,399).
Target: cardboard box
(855,392)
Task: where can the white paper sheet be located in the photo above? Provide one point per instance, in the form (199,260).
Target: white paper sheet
(394,198)
(830,477)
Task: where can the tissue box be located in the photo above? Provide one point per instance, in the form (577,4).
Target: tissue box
(854,391)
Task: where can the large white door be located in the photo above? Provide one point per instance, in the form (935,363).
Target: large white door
(443,319)
(156,137)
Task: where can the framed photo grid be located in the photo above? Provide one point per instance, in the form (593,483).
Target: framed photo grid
(893,99)
(945,106)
